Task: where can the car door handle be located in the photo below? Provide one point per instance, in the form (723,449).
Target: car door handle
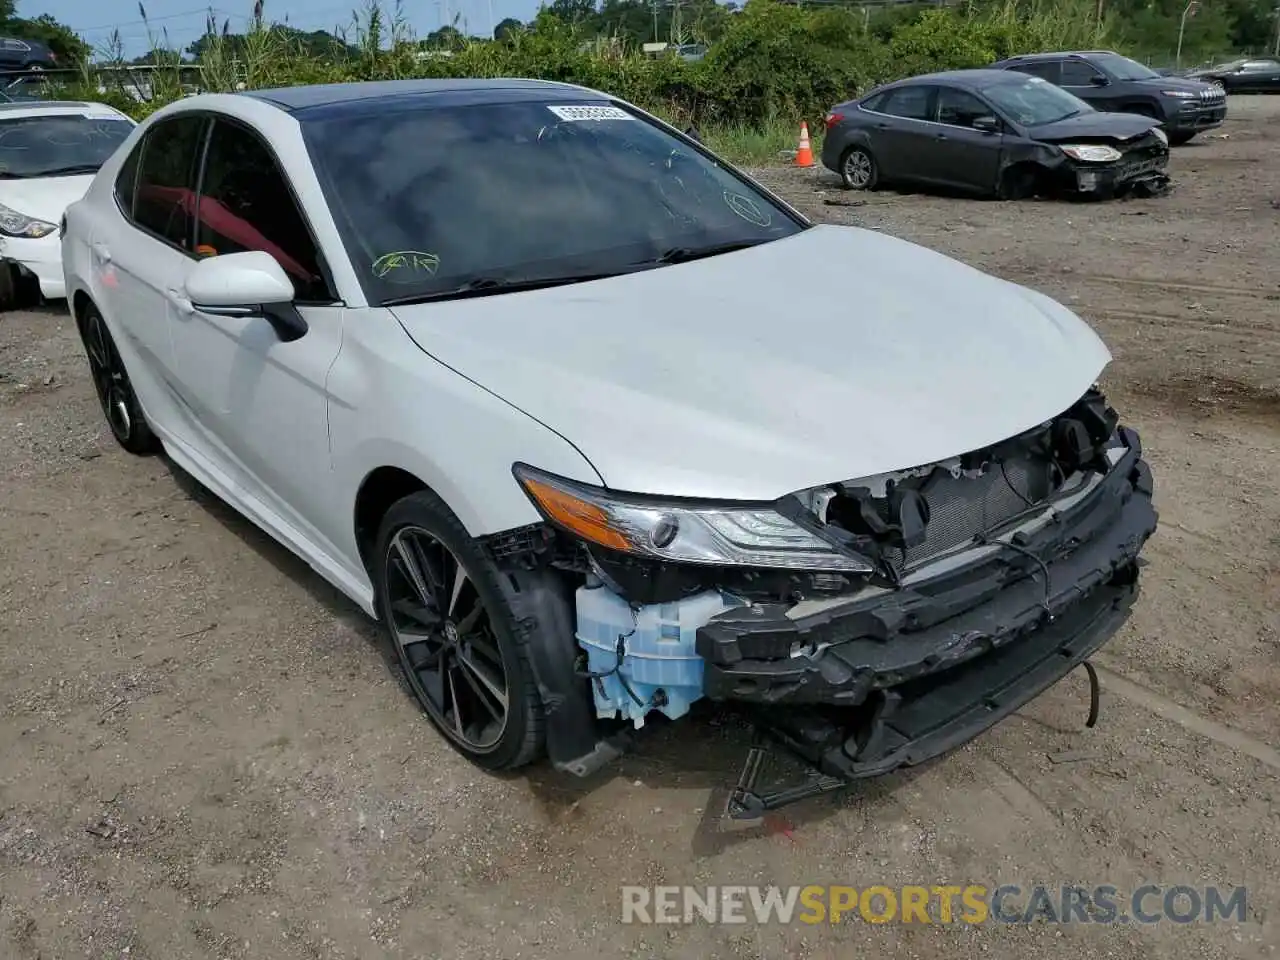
(941,136)
(180,301)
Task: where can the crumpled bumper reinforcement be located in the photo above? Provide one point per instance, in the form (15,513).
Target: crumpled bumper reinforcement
(901,677)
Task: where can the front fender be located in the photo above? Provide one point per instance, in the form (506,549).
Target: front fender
(393,405)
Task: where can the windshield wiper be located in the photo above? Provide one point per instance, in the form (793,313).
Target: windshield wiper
(487,286)
(68,171)
(685,254)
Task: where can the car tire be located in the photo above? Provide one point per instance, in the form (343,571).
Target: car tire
(450,633)
(111,382)
(8,287)
(1183,136)
(858,169)
(1021,182)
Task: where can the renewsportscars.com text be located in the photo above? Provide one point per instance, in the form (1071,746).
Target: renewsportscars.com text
(970,904)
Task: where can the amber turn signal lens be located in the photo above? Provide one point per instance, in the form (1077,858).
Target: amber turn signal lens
(587,520)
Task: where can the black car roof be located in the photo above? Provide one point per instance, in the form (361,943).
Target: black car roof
(969,79)
(1024,57)
(316,98)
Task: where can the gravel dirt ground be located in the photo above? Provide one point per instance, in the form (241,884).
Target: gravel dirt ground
(202,754)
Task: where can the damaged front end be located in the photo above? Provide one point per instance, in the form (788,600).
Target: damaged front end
(1107,167)
(866,624)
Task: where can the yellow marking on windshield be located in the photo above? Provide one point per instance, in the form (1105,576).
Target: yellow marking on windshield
(402,265)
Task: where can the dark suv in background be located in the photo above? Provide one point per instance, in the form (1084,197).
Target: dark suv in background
(1108,81)
(18,54)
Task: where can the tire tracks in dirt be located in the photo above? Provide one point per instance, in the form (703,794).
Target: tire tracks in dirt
(1182,286)
(1206,325)
(1167,709)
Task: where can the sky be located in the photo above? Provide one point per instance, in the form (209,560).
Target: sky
(184,19)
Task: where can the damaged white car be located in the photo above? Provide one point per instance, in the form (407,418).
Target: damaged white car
(574,409)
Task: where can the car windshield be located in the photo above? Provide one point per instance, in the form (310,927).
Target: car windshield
(1033,101)
(1122,68)
(61,145)
(434,202)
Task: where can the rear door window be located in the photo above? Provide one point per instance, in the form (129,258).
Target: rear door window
(1049,70)
(913,103)
(1079,73)
(875,103)
(164,204)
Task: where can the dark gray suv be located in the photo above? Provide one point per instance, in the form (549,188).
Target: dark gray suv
(1108,81)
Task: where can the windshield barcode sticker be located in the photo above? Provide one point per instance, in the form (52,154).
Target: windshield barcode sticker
(590,112)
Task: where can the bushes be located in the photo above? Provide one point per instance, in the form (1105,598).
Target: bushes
(774,64)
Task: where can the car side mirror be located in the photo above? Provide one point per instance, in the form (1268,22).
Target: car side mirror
(986,124)
(1098,80)
(248,284)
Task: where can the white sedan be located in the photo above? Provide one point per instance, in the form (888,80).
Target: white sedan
(49,153)
(596,426)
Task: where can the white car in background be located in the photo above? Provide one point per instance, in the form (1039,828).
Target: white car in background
(597,426)
(49,154)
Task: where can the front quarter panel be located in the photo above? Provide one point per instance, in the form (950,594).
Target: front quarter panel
(392,405)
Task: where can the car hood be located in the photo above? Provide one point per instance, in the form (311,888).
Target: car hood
(45,198)
(834,354)
(1115,126)
(1175,83)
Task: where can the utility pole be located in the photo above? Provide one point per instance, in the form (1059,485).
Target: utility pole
(1188,11)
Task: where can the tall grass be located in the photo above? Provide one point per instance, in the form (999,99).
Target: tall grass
(759,145)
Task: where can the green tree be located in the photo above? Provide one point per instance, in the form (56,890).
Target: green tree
(315,44)
(447,37)
(507,28)
(573,11)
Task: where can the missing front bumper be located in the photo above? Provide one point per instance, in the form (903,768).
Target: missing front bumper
(923,719)
(904,676)
(1115,179)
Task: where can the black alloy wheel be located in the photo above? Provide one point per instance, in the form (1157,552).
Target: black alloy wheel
(115,392)
(454,637)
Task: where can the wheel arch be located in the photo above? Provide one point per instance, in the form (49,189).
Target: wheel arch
(399,472)
(1144,106)
(1021,178)
(80,301)
(381,488)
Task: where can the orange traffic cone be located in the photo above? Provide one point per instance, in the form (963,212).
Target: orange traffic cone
(804,156)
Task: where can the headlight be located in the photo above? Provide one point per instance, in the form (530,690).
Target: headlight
(1180,94)
(1092,152)
(15,224)
(722,534)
